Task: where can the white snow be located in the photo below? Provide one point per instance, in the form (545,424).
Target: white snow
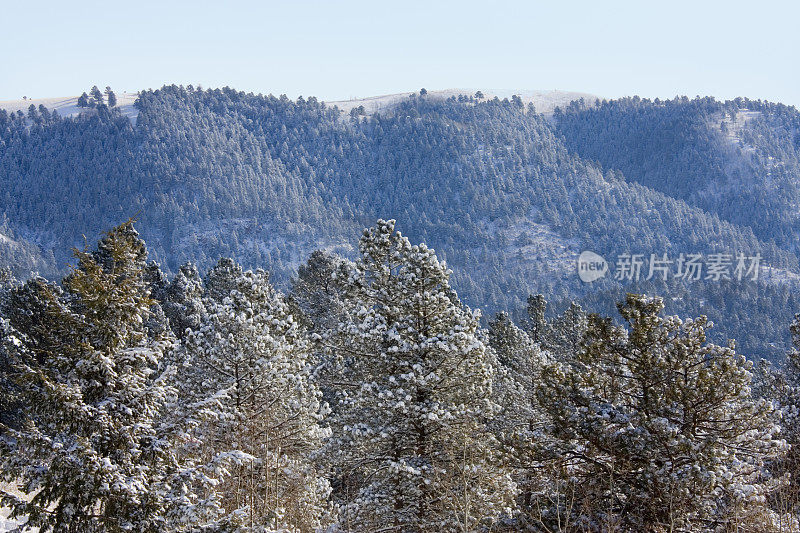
(7,524)
(67,106)
(528,246)
(735,127)
(778,276)
(545,100)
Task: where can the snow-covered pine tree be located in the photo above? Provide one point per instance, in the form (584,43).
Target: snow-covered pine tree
(248,347)
(566,332)
(656,429)
(321,299)
(182,300)
(519,425)
(536,325)
(782,386)
(321,291)
(410,445)
(96,97)
(91,449)
(8,393)
(111,98)
(561,336)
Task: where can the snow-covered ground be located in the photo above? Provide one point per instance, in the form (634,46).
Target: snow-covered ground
(778,276)
(735,127)
(6,524)
(67,106)
(545,101)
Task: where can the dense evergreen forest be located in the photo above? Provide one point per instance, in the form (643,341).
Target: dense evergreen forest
(507,196)
(368,398)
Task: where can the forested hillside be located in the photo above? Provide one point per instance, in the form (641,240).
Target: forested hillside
(507,196)
(738,159)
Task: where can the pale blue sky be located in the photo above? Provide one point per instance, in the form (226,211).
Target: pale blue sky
(338,50)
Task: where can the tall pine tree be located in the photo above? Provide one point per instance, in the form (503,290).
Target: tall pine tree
(92,448)
(411,444)
(656,429)
(248,351)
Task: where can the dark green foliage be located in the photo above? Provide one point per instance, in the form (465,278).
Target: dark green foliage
(80,359)
(644,419)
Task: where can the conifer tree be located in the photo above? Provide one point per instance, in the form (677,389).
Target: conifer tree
(782,386)
(9,401)
(111,98)
(519,425)
(91,448)
(33,114)
(248,349)
(96,97)
(566,332)
(321,299)
(182,300)
(537,326)
(657,429)
(321,291)
(411,445)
